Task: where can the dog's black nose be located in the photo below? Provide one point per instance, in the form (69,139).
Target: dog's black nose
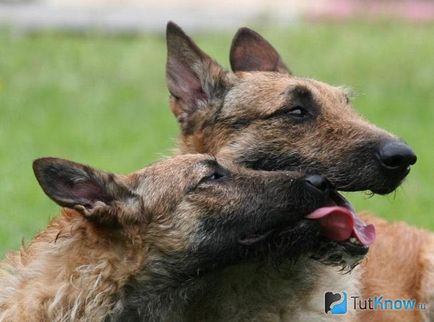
(396,156)
(319,182)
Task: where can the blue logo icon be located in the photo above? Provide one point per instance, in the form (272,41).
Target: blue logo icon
(335,303)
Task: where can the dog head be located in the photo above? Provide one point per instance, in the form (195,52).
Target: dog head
(263,117)
(191,214)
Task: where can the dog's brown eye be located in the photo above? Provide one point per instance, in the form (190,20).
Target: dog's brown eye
(298,112)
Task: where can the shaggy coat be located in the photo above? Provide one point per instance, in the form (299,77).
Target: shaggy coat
(263,117)
(148,246)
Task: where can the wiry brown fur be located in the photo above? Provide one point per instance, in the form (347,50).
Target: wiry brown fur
(69,272)
(73,269)
(144,247)
(247,116)
(400,264)
(247,119)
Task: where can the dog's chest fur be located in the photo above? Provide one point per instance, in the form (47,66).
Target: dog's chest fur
(294,292)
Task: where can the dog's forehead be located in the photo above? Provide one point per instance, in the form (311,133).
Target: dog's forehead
(270,83)
(264,92)
(327,91)
(180,166)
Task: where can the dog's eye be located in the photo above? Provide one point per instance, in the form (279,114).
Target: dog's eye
(211,178)
(215,176)
(298,112)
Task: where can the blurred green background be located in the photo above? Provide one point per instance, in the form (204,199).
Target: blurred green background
(102,100)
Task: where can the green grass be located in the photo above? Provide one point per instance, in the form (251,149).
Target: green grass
(103,101)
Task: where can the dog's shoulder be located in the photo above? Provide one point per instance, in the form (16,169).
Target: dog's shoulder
(427,278)
(400,265)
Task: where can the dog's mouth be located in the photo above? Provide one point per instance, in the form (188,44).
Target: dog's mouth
(339,223)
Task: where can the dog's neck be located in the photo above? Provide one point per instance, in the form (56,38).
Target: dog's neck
(292,291)
(288,291)
(161,291)
(79,270)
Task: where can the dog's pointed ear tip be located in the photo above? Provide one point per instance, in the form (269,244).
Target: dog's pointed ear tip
(246,32)
(173,30)
(40,163)
(171,26)
(37,165)
(41,168)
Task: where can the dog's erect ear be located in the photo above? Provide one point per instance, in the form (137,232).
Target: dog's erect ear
(251,52)
(94,193)
(193,78)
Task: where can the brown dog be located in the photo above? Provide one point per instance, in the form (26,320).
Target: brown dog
(139,247)
(263,117)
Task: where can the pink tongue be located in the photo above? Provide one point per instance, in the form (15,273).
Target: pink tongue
(339,223)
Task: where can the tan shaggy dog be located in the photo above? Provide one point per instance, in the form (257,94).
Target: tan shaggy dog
(263,117)
(141,247)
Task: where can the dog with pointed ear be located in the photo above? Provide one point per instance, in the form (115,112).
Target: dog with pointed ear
(271,120)
(100,196)
(71,270)
(135,247)
(250,52)
(195,81)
